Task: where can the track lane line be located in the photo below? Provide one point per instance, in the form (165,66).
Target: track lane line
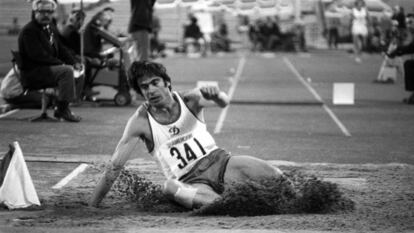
(11,112)
(232,89)
(78,170)
(341,126)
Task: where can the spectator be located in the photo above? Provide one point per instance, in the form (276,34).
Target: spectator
(94,37)
(243,30)
(15,96)
(205,22)
(69,33)
(374,44)
(45,61)
(359,27)
(193,37)
(399,50)
(275,35)
(265,30)
(333,32)
(15,27)
(140,25)
(299,34)
(399,17)
(255,36)
(109,11)
(157,48)
(410,29)
(95,34)
(220,41)
(385,24)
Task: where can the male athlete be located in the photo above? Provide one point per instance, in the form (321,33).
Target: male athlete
(172,127)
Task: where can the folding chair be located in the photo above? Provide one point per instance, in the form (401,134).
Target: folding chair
(17,62)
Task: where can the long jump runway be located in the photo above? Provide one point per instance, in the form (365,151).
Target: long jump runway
(276,114)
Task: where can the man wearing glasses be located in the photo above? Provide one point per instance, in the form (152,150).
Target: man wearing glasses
(45,61)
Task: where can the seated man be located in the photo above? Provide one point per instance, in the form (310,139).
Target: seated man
(45,61)
(173,129)
(71,38)
(69,34)
(220,40)
(16,97)
(193,37)
(94,37)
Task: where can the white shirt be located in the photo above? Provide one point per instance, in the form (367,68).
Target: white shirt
(359,23)
(179,145)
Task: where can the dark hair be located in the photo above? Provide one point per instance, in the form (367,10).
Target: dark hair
(79,14)
(140,69)
(108,9)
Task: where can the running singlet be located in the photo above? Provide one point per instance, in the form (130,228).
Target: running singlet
(179,145)
(359,24)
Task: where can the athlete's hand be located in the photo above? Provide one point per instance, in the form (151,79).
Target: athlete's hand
(210,92)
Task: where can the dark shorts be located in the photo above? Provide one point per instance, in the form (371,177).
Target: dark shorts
(209,170)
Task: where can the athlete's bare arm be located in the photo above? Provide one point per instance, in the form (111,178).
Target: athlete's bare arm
(198,98)
(135,128)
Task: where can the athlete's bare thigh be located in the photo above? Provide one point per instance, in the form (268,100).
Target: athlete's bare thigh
(242,168)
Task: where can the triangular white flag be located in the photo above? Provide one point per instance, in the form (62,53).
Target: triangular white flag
(17,190)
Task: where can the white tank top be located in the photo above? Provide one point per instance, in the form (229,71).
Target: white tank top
(360,17)
(179,145)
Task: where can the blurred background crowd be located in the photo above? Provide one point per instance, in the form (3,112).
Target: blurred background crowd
(112,33)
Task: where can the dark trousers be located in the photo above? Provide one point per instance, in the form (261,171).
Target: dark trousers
(59,76)
(29,99)
(409,75)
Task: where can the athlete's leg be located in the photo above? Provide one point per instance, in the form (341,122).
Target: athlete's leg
(190,196)
(242,168)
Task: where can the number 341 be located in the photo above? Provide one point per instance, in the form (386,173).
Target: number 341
(189,154)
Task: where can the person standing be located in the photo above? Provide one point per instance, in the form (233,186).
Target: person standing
(139,28)
(396,49)
(46,62)
(400,19)
(360,20)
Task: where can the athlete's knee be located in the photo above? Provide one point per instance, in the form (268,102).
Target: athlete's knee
(170,187)
(180,192)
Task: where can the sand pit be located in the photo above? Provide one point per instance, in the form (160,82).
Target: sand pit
(383,197)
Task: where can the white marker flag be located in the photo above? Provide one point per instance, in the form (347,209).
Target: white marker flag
(16,186)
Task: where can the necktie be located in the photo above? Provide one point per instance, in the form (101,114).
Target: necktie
(49,33)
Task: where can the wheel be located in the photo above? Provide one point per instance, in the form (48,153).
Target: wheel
(122,98)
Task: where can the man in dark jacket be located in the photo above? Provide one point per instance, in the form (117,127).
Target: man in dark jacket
(399,50)
(45,61)
(140,25)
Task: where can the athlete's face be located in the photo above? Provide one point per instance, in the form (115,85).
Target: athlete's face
(154,90)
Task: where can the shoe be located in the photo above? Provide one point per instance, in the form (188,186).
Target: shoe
(67,115)
(389,81)
(89,93)
(408,101)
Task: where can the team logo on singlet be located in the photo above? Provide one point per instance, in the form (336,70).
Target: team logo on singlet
(174,130)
